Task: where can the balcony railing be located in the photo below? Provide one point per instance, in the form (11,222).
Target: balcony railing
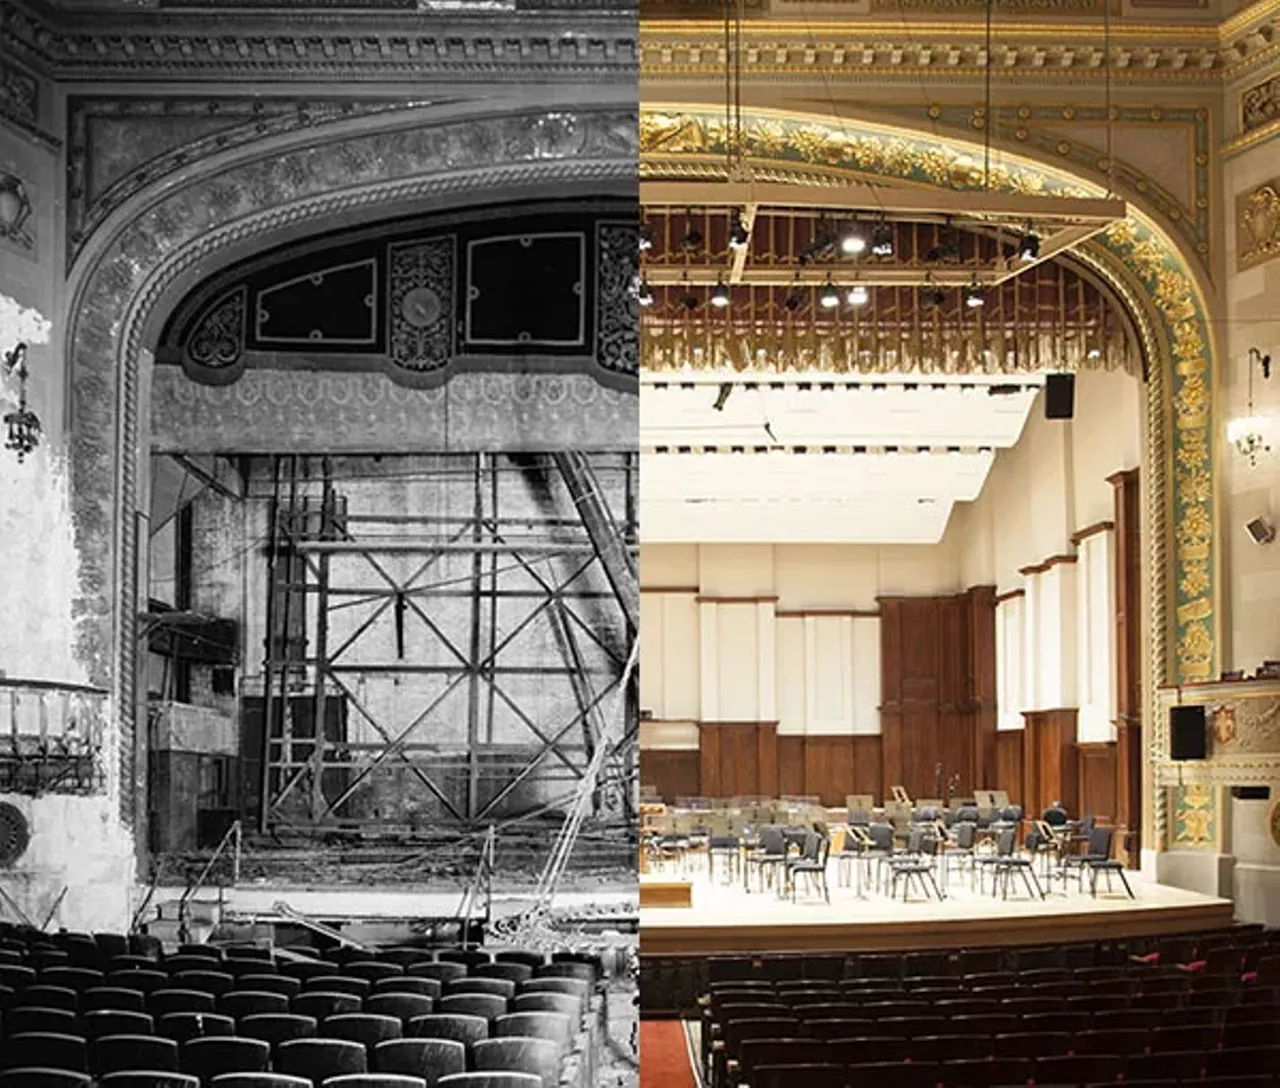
(51,737)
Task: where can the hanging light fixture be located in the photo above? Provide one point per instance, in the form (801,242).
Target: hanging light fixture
(646,237)
(858,295)
(739,235)
(644,293)
(19,327)
(1249,434)
(693,235)
(829,298)
(973,297)
(720,294)
(853,241)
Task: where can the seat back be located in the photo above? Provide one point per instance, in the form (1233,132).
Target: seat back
(429,1059)
(319,1059)
(457,1026)
(515,1054)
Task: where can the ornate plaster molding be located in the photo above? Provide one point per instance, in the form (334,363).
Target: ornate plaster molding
(1258,225)
(865,48)
(1040,128)
(133,141)
(1136,256)
(138,259)
(268,46)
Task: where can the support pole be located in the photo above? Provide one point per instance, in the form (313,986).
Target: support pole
(616,558)
(327,520)
(268,665)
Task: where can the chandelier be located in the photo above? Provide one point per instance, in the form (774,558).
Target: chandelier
(1249,434)
(19,327)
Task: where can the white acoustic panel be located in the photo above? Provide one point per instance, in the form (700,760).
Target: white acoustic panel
(1096,641)
(789,647)
(1009,672)
(866,676)
(737,663)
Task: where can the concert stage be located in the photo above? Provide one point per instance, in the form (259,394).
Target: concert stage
(727,919)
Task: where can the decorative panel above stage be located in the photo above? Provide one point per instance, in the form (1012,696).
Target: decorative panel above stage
(531,289)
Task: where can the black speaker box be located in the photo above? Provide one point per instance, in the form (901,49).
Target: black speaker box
(1059,396)
(1188,733)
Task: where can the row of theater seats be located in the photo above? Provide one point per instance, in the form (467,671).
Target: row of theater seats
(76,1009)
(1213,1018)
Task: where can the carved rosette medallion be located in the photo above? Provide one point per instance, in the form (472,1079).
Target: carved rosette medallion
(420,315)
(618,316)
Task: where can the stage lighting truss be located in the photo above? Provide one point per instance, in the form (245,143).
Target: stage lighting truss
(774,234)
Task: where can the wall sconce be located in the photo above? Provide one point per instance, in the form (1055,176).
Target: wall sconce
(1249,434)
(15,210)
(19,327)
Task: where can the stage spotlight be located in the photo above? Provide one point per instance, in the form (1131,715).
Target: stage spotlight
(739,236)
(853,241)
(720,294)
(646,237)
(882,240)
(1028,245)
(722,396)
(858,295)
(830,297)
(974,298)
(644,293)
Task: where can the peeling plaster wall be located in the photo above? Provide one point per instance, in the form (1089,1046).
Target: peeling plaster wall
(77,842)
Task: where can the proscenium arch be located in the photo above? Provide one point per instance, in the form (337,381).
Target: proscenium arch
(1141,262)
(168,237)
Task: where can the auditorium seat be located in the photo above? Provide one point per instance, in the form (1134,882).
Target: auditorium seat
(149,1078)
(35,1077)
(259,1080)
(374,1080)
(488,1006)
(441,972)
(511,972)
(409,984)
(181,1026)
(540,1057)
(121,1053)
(112,998)
(241,1003)
(45,1050)
(317,1059)
(323,1004)
(145,980)
(276,1028)
(490,1080)
(116,1022)
(207,1057)
(403,1006)
(500,987)
(429,1059)
(24,1020)
(457,1026)
(338,984)
(364,1028)
(45,995)
(162,1002)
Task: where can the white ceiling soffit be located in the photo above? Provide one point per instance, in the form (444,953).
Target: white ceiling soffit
(889,411)
(792,498)
(829,459)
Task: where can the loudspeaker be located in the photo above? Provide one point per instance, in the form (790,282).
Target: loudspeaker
(1188,733)
(1260,530)
(1059,396)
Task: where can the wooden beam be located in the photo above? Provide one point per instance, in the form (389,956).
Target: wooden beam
(1017,207)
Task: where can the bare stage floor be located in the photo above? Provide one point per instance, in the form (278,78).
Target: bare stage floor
(726,918)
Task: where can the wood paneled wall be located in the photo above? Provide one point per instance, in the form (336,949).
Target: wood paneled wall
(1128,755)
(1009,776)
(829,768)
(673,772)
(739,759)
(937,691)
(1048,759)
(1096,780)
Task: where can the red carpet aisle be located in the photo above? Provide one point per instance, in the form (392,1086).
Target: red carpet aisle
(664,1055)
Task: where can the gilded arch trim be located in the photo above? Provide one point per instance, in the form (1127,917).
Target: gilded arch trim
(1138,258)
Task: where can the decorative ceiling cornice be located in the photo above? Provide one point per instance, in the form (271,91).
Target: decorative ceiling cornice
(859,48)
(559,43)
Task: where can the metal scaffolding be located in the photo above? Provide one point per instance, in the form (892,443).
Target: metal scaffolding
(468,586)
